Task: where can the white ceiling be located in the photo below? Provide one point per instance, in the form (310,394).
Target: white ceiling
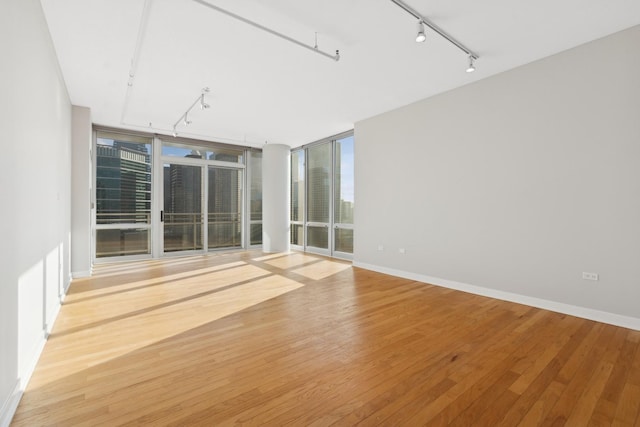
(264,88)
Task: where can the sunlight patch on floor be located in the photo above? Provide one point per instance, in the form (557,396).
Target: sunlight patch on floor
(127,285)
(93,338)
(117,268)
(292,261)
(321,270)
(272,256)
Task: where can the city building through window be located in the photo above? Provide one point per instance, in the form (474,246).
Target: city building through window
(322,197)
(156,196)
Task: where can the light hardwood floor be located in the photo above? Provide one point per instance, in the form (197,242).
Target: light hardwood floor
(303,340)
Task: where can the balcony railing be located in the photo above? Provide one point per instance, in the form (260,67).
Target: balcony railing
(123,217)
(183,231)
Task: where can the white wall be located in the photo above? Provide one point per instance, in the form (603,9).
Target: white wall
(35,115)
(515,184)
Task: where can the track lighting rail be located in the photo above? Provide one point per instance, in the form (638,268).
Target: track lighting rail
(335,57)
(185,117)
(435,28)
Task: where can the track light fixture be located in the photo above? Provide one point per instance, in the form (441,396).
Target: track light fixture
(420,37)
(315,49)
(185,117)
(203,105)
(471,68)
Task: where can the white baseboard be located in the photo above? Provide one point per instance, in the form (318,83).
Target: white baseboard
(572,310)
(27,372)
(52,318)
(10,405)
(8,409)
(80,274)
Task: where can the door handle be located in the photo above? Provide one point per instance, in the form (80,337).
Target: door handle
(161,216)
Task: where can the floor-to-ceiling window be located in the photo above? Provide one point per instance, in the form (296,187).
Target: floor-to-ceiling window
(319,173)
(190,199)
(123,195)
(343,196)
(298,198)
(322,197)
(254,171)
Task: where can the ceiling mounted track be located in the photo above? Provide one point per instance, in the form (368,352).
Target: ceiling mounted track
(133,69)
(185,117)
(335,57)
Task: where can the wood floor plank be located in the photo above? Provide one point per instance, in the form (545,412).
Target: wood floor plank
(538,395)
(628,406)
(386,399)
(580,379)
(587,403)
(540,408)
(606,406)
(298,339)
(474,380)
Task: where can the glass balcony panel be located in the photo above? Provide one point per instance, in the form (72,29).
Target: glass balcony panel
(318,237)
(297,234)
(343,239)
(122,242)
(182,232)
(256,234)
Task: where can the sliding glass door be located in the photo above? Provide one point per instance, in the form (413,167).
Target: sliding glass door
(224,207)
(182,214)
(157,195)
(203,197)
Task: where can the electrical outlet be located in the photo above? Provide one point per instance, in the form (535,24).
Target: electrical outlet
(589,276)
(402,250)
(381,248)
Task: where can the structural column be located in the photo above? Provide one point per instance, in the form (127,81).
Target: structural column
(80,191)
(276,170)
